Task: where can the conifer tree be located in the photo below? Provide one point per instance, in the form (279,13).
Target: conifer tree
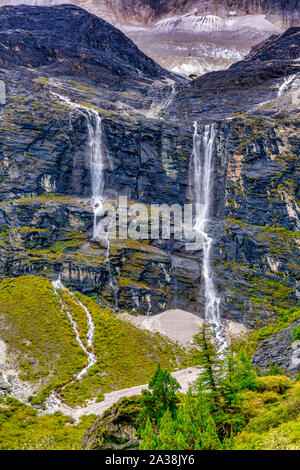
(207,358)
(246,373)
(210,439)
(181,442)
(148,437)
(192,416)
(167,433)
(160,397)
(229,416)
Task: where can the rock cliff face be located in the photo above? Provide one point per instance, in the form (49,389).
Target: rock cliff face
(46,218)
(42,37)
(191,37)
(282,12)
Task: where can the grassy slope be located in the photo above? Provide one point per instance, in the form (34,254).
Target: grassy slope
(126,355)
(21,428)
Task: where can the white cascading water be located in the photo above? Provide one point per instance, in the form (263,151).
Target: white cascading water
(203,148)
(112,281)
(58,285)
(284,86)
(202,159)
(94,125)
(169,98)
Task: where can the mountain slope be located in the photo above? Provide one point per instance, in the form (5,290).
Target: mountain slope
(284,13)
(43,37)
(41,352)
(147,147)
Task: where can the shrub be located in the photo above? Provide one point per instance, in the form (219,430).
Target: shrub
(296,333)
(270,397)
(269,419)
(252,404)
(274,383)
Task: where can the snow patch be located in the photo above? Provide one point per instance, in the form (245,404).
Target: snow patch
(192,23)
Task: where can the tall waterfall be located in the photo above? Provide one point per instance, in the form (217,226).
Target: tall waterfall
(94,126)
(203,147)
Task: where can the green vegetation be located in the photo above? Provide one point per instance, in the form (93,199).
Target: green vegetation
(296,333)
(37,332)
(22,429)
(119,347)
(284,318)
(160,398)
(40,337)
(229,408)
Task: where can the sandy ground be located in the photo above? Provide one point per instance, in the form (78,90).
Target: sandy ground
(234,329)
(178,325)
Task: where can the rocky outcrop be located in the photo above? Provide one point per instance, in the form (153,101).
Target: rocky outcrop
(280,350)
(116,428)
(246,85)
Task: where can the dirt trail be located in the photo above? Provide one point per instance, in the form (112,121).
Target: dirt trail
(185,377)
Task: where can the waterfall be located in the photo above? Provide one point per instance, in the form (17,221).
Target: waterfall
(58,285)
(283,87)
(203,147)
(112,281)
(94,126)
(169,98)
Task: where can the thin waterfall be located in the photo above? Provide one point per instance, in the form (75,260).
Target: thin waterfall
(169,98)
(94,126)
(113,282)
(284,86)
(203,147)
(58,285)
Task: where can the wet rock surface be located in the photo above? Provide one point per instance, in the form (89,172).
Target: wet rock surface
(116,428)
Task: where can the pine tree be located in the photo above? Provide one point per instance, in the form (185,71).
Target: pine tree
(207,358)
(229,417)
(160,397)
(184,417)
(246,374)
(167,433)
(192,416)
(180,442)
(210,439)
(148,437)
